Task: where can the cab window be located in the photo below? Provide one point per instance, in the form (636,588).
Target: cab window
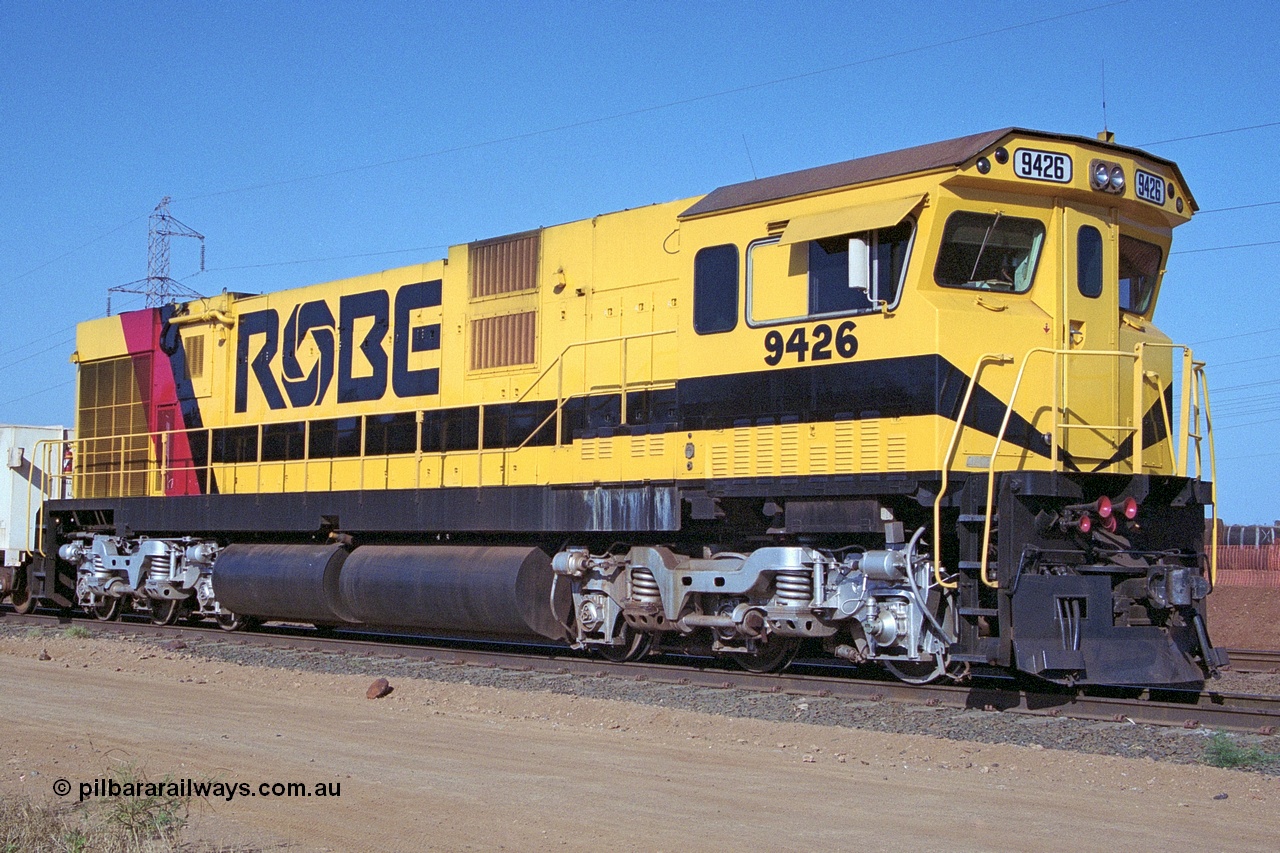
(1089,261)
(828,277)
(1139,271)
(715,289)
(989,251)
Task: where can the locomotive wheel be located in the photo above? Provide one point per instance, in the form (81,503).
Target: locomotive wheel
(917,673)
(21,597)
(634,645)
(234,621)
(106,609)
(773,655)
(165,612)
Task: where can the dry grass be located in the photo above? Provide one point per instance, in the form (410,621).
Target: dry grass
(147,824)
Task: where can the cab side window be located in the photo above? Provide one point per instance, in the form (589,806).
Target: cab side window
(1089,261)
(715,289)
(829,276)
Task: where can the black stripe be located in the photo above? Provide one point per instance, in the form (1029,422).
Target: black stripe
(852,390)
(1153,431)
(197,438)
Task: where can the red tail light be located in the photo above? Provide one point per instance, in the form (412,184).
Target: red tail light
(1109,524)
(1084,524)
(1129,509)
(1103,507)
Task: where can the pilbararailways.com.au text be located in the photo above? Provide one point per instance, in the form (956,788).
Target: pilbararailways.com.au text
(198,788)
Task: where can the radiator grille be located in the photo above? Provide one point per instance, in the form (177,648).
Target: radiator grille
(503,341)
(505,265)
(195,357)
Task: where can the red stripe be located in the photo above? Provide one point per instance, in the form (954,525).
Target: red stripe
(154,373)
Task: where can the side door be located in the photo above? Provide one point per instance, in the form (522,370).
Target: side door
(1088,394)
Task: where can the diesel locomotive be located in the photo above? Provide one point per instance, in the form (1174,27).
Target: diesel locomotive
(909,409)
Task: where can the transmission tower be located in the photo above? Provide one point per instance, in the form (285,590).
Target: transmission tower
(158,287)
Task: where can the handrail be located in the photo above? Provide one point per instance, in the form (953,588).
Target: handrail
(561,399)
(48,452)
(1194,390)
(1213,471)
(1056,425)
(152,457)
(998,358)
(575,344)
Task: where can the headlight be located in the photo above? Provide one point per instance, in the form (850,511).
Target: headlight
(1100,174)
(1107,175)
(1117,179)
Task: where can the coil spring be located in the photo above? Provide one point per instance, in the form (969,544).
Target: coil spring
(795,588)
(644,586)
(157,567)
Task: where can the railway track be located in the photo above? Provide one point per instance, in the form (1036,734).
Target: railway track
(1254,660)
(1186,709)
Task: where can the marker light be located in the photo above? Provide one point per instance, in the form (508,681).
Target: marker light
(1103,507)
(1109,524)
(1129,509)
(1084,524)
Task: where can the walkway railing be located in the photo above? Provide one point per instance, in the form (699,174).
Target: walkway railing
(1191,435)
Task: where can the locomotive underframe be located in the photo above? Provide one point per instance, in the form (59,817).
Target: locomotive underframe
(1123,608)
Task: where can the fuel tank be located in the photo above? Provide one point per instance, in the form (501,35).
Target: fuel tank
(455,589)
(296,583)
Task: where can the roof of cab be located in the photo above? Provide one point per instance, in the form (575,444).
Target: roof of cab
(949,153)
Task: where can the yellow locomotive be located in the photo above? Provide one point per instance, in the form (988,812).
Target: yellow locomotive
(910,407)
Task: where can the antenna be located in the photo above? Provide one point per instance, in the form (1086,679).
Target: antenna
(158,287)
(1106,131)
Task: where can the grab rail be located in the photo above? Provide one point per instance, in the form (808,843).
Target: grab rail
(561,398)
(1194,394)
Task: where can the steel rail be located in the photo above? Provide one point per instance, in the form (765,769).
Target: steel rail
(1254,660)
(1186,709)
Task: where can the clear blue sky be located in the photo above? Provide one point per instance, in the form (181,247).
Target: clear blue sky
(313,141)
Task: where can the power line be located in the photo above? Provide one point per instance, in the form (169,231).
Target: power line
(1260,399)
(63,343)
(1211,133)
(1253,456)
(751,87)
(44,390)
(1254,423)
(1233,337)
(1223,248)
(1249,385)
(69,328)
(321,260)
(72,252)
(1237,207)
(1218,364)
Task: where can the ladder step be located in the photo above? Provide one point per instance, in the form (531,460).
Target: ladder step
(979,611)
(971,659)
(972,518)
(970,564)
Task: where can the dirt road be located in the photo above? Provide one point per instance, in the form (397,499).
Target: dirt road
(454,767)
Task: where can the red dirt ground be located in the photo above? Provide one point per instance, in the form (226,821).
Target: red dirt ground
(1243,617)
